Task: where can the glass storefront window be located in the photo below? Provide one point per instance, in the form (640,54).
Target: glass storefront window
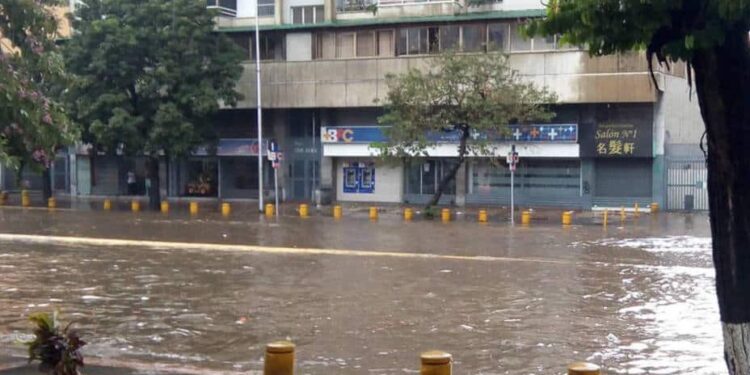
(423,176)
(201,178)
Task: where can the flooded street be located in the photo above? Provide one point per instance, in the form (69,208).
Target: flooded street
(637,298)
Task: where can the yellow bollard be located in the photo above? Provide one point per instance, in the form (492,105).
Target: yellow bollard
(193,208)
(52,203)
(654,207)
(606,216)
(226,209)
(583,368)
(25,199)
(304,210)
(408,214)
(3,198)
(482,216)
(636,213)
(269,211)
(373,213)
(107,205)
(622,214)
(135,206)
(567,218)
(279,358)
(164,207)
(337,212)
(526,218)
(445,215)
(436,362)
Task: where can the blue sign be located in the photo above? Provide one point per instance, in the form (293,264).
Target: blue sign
(515,133)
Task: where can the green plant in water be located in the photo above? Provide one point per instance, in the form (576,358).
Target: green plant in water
(57,350)
(430,212)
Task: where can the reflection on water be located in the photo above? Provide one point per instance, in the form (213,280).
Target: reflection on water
(636,302)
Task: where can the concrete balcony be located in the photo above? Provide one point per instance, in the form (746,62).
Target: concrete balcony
(573,75)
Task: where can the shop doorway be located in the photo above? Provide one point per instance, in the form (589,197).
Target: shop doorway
(304,155)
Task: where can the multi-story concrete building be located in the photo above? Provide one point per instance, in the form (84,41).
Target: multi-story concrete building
(616,139)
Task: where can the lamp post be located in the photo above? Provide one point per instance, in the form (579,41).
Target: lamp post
(260,116)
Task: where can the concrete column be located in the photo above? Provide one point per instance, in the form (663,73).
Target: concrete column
(278,11)
(329,8)
(461,185)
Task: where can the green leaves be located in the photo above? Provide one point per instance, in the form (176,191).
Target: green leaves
(476,93)
(57,350)
(151,74)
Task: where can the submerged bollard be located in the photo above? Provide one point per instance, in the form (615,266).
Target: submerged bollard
(526,218)
(373,213)
(606,214)
(445,215)
(636,212)
(337,212)
(279,358)
(3,198)
(269,211)
(304,210)
(408,214)
(435,362)
(482,216)
(226,209)
(164,207)
(583,368)
(135,206)
(51,203)
(194,208)
(107,205)
(622,214)
(567,218)
(654,207)
(25,199)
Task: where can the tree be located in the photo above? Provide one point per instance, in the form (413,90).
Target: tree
(33,124)
(711,36)
(472,96)
(150,75)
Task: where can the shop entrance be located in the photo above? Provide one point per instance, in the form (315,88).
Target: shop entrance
(304,155)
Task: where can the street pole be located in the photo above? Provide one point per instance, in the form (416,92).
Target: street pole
(276,188)
(260,117)
(512,185)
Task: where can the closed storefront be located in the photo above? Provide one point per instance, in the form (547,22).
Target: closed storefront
(422,178)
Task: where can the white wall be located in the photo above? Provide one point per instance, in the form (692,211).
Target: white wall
(299,47)
(246,8)
(389,183)
(550,150)
(679,112)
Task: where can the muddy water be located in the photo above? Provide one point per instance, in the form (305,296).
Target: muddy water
(636,299)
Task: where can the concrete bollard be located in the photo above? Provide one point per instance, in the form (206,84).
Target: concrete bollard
(226,209)
(408,214)
(304,210)
(482,216)
(583,368)
(269,211)
(25,199)
(135,206)
(193,207)
(606,216)
(164,207)
(279,358)
(373,213)
(654,207)
(526,218)
(107,205)
(337,212)
(567,218)
(51,203)
(445,215)
(435,362)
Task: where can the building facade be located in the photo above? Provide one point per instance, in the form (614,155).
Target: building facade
(617,138)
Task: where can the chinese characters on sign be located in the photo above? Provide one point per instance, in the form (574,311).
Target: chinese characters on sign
(616,140)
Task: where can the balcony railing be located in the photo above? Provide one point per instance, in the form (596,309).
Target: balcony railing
(386,3)
(355,5)
(226,7)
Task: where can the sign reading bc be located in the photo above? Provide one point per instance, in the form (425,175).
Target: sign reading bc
(345,135)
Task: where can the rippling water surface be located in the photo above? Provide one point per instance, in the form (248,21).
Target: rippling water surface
(638,299)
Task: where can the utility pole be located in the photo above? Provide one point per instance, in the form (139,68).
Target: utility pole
(260,116)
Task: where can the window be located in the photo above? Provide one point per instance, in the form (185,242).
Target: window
(423,176)
(519,41)
(307,14)
(344,45)
(366,44)
(266,8)
(325,46)
(449,36)
(242,41)
(272,46)
(414,41)
(385,43)
(473,38)
(497,34)
(544,43)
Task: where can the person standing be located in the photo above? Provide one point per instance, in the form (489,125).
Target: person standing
(131,183)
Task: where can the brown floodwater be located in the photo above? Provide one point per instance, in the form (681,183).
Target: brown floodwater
(636,298)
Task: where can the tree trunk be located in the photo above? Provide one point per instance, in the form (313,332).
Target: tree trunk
(152,183)
(46,184)
(722,78)
(452,173)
